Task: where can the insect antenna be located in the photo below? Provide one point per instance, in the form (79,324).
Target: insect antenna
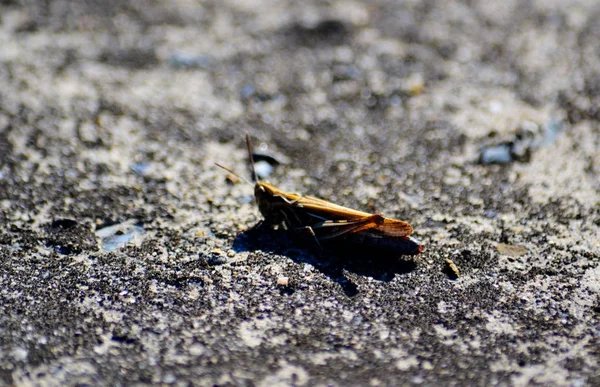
(249,146)
(233,173)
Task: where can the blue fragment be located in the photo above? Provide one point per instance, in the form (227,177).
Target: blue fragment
(119,235)
(496,154)
(182,60)
(263,169)
(247,91)
(140,168)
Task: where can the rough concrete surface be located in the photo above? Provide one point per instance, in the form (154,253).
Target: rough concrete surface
(128,258)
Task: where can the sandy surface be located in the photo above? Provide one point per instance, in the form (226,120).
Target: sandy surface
(126,257)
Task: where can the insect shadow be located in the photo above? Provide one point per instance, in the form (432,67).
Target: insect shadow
(334,258)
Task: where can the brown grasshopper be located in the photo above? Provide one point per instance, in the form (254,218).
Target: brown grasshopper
(325,220)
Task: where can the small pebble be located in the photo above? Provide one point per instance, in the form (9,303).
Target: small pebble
(452,268)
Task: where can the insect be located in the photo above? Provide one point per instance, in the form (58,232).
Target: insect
(324,220)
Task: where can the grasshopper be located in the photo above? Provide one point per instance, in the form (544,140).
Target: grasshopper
(324,220)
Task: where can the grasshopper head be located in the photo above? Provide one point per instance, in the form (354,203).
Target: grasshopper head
(264,194)
(266,198)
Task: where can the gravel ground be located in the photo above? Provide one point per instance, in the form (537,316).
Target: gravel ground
(128,258)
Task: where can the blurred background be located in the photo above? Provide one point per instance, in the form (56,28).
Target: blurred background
(125,254)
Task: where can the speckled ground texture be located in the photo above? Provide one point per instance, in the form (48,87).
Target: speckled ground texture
(127,257)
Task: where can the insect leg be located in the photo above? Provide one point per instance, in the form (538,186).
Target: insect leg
(312,233)
(258,225)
